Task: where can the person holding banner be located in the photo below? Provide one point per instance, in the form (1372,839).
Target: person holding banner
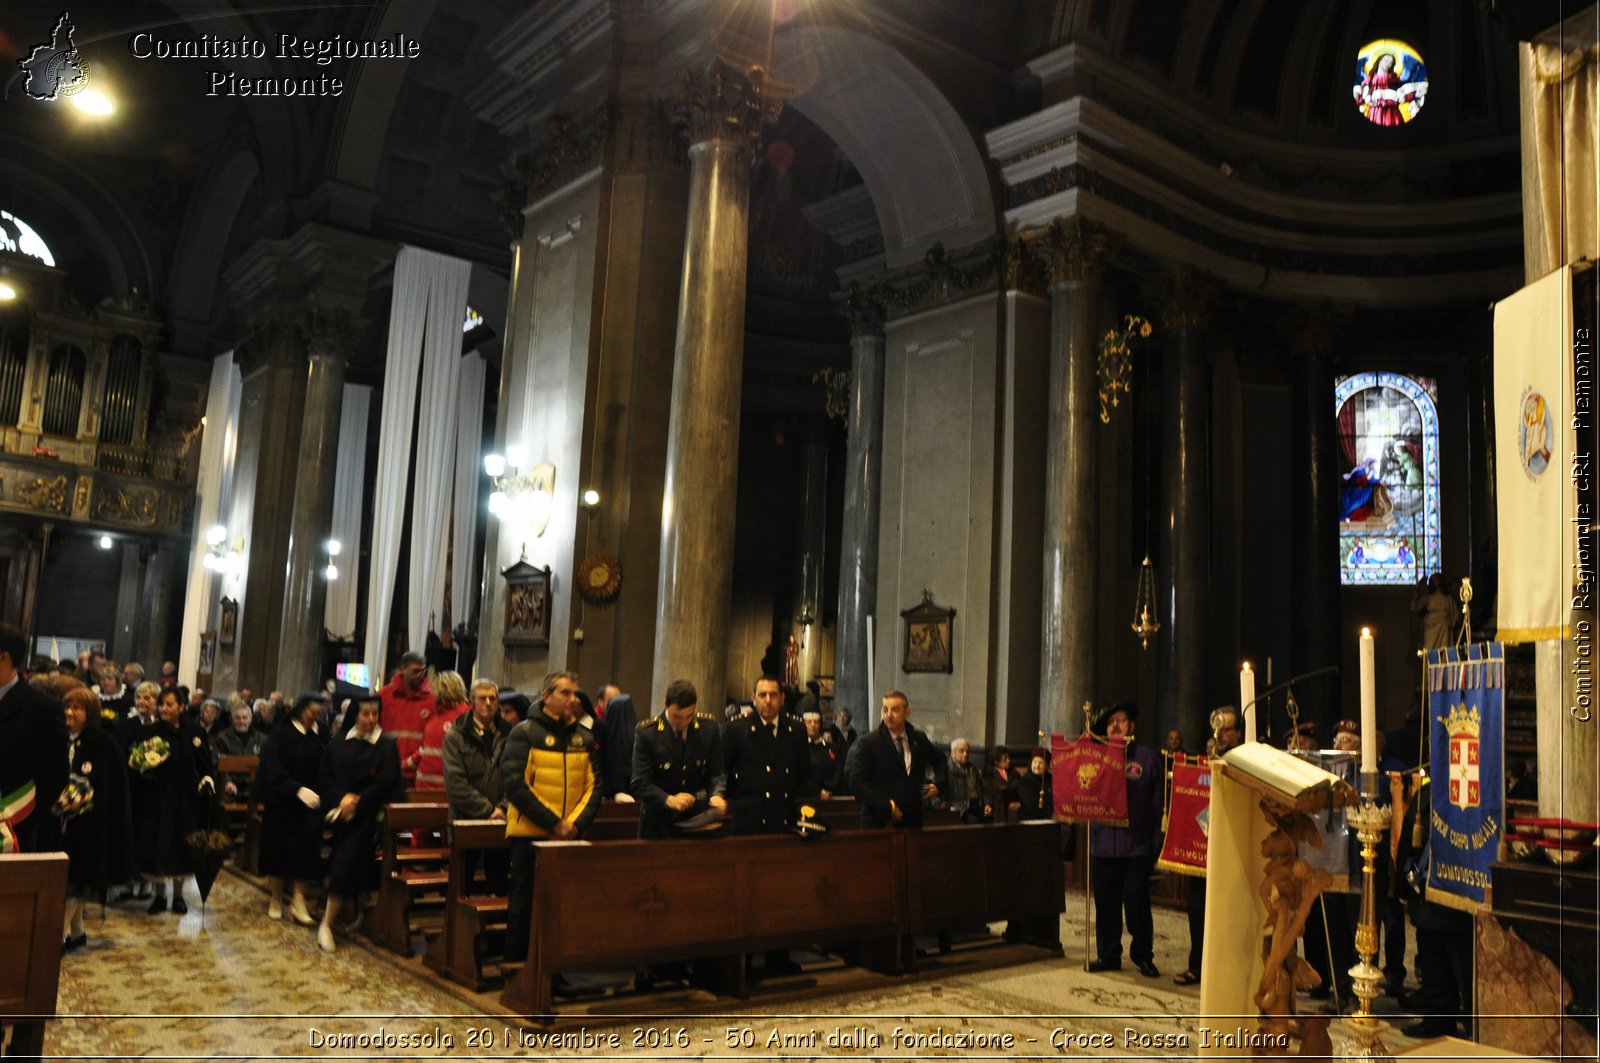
(1121,858)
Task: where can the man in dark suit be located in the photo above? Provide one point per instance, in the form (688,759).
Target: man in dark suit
(33,749)
(677,766)
(888,774)
(769,769)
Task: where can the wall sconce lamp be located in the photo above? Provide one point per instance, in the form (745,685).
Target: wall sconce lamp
(331,573)
(523,497)
(221,558)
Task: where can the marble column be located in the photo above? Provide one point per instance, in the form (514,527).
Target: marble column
(1066,669)
(858,562)
(725,110)
(305,590)
(813,529)
(1315,599)
(1185,482)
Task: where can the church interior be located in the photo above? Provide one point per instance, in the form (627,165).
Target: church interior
(1024,356)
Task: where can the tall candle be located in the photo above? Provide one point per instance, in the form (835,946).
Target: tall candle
(1369,705)
(1247,700)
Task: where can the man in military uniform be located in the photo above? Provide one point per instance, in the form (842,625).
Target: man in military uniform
(677,767)
(769,769)
(769,774)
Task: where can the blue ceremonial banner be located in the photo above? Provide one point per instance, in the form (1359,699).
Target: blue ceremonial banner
(1466,712)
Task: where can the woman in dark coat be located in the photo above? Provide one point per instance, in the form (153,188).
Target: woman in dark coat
(165,785)
(360,774)
(96,838)
(291,817)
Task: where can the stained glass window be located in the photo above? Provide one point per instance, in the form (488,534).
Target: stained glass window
(1391,82)
(1388,439)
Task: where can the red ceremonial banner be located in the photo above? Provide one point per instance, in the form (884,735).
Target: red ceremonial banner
(1089,781)
(1188,818)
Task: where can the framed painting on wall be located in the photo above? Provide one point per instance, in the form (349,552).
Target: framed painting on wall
(929,635)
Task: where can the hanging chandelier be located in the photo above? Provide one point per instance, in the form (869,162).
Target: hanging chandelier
(1145,623)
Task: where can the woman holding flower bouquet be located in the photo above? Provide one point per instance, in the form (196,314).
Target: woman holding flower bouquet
(171,772)
(291,816)
(93,813)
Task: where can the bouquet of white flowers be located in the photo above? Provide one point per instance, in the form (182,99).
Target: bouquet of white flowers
(149,754)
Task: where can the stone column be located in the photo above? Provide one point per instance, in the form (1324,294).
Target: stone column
(1315,608)
(1185,481)
(858,562)
(725,110)
(1066,668)
(813,528)
(305,591)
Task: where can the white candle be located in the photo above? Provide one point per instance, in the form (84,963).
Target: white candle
(1369,705)
(1247,700)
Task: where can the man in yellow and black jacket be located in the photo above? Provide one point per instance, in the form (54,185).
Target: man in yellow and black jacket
(551,791)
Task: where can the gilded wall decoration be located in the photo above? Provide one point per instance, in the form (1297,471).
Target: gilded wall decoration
(130,505)
(40,493)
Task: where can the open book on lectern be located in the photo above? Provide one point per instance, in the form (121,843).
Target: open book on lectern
(1280,774)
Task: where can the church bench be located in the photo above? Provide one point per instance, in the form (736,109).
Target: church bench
(33,890)
(878,887)
(424,795)
(412,879)
(470,914)
(245,832)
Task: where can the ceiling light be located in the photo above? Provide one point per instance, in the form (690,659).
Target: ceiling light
(105,542)
(7,292)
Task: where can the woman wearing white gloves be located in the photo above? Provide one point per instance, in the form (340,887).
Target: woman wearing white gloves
(291,817)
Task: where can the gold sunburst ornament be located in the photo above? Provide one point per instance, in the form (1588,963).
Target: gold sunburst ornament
(1116,362)
(599,577)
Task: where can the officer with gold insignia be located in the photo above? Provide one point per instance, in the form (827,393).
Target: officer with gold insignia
(769,770)
(677,768)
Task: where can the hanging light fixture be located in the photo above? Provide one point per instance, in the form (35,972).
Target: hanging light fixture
(1145,622)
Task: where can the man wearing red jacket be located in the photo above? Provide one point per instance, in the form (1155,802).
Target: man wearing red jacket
(408,701)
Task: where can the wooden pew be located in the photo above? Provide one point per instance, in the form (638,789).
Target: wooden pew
(245,831)
(721,898)
(967,875)
(33,890)
(469,912)
(248,857)
(412,879)
(747,893)
(418,795)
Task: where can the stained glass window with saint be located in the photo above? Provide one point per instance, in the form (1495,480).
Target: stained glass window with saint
(1388,438)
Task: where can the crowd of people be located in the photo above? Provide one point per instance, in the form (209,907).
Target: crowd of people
(135,763)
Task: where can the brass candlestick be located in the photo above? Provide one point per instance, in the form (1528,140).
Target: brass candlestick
(1365,1039)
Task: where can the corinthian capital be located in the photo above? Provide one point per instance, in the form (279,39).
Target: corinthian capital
(1074,249)
(720,103)
(864,308)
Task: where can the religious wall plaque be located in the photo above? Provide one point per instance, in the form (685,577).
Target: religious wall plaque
(527,605)
(929,628)
(229,624)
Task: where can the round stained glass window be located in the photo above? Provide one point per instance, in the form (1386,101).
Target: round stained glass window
(1391,82)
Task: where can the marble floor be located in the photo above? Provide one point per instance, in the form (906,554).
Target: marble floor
(227,983)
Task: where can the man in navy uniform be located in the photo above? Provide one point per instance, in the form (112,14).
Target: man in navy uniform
(769,769)
(677,767)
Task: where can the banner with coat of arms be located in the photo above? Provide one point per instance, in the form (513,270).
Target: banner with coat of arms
(1089,780)
(1188,817)
(1535,495)
(1466,713)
